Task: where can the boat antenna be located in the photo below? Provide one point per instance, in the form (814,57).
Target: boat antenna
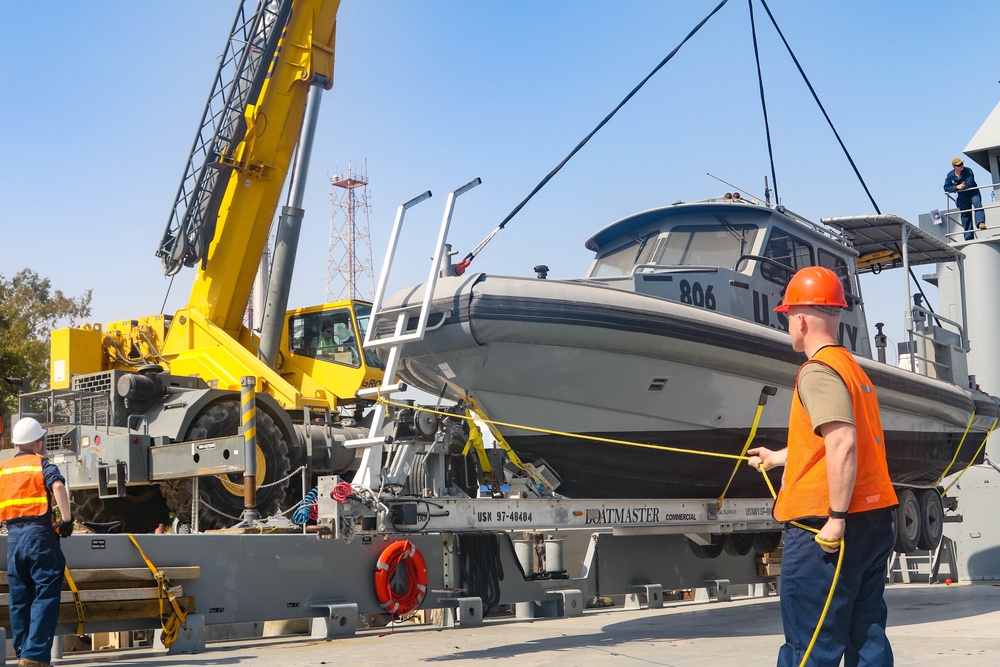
(736,187)
(763,102)
(821,108)
(461,266)
(767,193)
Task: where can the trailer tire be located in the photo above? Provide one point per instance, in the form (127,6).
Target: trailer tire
(738,544)
(907,522)
(223,493)
(142,509)
(768,542)
(708,551)
(931,519)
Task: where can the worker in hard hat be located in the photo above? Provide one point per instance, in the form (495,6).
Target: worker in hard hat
(836,482)
(29,483)
(961,182)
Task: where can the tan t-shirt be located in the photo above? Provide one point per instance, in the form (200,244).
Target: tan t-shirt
(824,396)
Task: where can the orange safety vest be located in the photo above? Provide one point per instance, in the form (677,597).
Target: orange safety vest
(804,487)
(22,488)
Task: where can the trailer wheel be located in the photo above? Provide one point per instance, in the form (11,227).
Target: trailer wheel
(707,551)
(907,522)
(767,543)
(738,544)
(142,509)
(931,519)
(224,493)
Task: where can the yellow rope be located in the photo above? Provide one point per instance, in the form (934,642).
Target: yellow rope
(178,617)
(80,618)
(580,436)
(753,432)
(961,442)
(974,457)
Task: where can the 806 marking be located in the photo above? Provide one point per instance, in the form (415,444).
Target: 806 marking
(694,293)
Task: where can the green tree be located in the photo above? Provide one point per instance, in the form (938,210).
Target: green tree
(29,310)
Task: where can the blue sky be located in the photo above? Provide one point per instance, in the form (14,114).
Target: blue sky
(101,101)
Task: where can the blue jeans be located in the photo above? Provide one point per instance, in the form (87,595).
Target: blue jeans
(974,202)
(854,627)
(35,565)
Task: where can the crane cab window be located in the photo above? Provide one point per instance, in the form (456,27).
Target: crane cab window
(786,251)
(326,335)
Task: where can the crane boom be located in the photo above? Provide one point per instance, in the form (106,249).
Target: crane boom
(223,212)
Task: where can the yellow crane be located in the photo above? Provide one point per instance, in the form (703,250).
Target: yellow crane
(121,393)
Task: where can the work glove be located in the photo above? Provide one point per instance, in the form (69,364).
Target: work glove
(65,528)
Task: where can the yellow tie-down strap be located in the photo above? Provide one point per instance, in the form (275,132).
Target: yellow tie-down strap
(166,592)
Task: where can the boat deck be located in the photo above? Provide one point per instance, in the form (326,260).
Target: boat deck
(928,625)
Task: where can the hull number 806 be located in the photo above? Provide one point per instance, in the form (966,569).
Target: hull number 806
(695,294)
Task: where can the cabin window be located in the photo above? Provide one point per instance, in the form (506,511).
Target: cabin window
(789,254)
(707,245)
(619,262)
(839,266)
(364,313)
(327,335)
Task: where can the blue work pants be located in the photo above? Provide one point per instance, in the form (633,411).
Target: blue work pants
(854,627)
(967,206)
(35,565)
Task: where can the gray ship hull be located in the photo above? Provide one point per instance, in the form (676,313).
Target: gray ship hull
(580,358)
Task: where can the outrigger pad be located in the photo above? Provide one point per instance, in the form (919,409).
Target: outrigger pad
(340,619)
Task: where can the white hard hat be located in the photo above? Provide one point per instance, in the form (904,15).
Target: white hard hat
(27,431)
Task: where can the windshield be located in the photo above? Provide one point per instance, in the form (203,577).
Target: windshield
(719,244)
(364,313)
(619,262)
(707,245)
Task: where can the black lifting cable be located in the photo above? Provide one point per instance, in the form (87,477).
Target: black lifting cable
(835,133)
(763,103)
(468,258)
(821,108)
(482,571)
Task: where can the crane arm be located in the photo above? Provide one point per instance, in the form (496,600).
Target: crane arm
(224,209)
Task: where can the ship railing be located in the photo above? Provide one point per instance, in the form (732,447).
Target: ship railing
(952,215)
(936,345)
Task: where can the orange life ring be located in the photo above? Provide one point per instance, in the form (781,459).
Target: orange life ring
(394,601)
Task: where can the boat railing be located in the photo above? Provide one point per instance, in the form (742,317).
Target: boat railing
(673,268)
(952,215)
(936,345)
(833,234)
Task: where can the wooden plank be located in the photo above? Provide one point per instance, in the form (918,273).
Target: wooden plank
(111,611)
(106,595)
(126,574)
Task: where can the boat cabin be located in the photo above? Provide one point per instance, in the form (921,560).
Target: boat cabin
(735,257)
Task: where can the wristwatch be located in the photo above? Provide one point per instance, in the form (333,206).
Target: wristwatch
(834,514)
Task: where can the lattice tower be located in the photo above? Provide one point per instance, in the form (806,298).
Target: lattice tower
(349,272)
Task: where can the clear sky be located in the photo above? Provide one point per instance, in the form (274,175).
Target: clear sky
(101,100)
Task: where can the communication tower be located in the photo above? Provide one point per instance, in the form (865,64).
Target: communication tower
(349,272)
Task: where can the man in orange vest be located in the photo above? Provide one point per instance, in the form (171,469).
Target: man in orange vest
(836,482)
(35,562)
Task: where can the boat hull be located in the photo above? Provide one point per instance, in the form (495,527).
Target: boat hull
(664,394)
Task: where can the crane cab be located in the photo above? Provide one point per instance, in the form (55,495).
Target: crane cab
(322,344)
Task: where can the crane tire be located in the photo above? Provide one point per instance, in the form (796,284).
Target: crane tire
(223,493)
(141,510)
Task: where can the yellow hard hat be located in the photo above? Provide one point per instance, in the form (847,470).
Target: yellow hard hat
(957,162)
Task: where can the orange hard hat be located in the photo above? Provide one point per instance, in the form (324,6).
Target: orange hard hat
(813,286)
